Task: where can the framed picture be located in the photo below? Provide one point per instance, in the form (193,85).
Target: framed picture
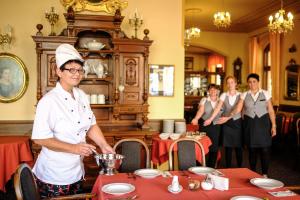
(189,63)
(13,78)
(161,80)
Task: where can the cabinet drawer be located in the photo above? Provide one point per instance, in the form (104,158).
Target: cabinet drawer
(131,109)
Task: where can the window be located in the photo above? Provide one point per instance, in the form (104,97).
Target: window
(267,82)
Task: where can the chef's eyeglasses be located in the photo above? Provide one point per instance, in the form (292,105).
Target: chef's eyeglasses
(73,70)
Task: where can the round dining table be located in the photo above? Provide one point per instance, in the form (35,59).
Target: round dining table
(13,151)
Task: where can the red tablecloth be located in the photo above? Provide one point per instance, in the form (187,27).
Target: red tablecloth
(13,151)
(149,189)
(160,149)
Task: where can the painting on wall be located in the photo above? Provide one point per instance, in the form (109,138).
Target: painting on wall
(161,80)
(189,63)
(13,78)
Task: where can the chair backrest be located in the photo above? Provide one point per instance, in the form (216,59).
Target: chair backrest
(131,148)
(186,153)
(280,122)
(25,185)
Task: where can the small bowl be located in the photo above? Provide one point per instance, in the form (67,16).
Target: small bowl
(164,136)
(175,136)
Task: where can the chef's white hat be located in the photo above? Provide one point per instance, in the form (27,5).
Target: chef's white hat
(66,52)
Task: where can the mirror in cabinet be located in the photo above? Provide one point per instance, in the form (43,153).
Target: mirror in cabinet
(292,80)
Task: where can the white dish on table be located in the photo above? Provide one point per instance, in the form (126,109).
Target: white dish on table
(266,183)
(147,173)
(174,192)
(202,170)
(118,188)
(245,198)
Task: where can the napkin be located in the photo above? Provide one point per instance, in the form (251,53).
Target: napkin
(286,193)
(220,183)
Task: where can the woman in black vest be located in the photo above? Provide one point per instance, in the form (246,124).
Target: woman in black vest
(259,125)
(232,127)
(206,108)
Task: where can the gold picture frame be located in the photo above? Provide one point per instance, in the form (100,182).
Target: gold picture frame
(13,78)
(161,80)
(108,6)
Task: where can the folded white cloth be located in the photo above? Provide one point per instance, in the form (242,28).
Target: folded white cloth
(285,193)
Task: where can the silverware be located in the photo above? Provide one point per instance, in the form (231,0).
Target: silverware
(124,198)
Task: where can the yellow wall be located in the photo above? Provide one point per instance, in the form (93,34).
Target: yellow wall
(165,29)
(231,45)
(288,40)
(200,61)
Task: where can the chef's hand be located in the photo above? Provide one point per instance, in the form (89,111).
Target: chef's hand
(83,149)
(107,149)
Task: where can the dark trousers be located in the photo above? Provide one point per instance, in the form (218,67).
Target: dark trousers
(211,160)
(238,154)
(264,153)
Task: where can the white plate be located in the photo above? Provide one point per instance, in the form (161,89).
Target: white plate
(118,188)
(147,173)
(201,170)
(174,192)
(245,198)
(266,183)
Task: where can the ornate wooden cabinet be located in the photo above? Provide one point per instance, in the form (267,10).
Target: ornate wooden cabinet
(125,84)
(126,61)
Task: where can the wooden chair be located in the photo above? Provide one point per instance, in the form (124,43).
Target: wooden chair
(131,148)
(278,140)
(298,144)
(26,187)
(186,153)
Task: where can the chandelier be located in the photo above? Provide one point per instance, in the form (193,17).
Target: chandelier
(222,19)
(281,23)
(192,32)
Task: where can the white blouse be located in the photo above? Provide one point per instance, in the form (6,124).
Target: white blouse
(204,99)
(231,98)
(60,116)
(254,97)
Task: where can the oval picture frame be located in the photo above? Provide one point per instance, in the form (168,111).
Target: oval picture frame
(13,78)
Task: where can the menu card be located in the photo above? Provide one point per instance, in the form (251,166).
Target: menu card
(220,183)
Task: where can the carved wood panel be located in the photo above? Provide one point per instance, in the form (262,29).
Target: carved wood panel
(131,71)
(52,77)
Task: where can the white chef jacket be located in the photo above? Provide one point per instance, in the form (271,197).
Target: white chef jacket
(60,116)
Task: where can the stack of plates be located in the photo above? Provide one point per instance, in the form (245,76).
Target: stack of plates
(168,126)
(180,127)
(266,183)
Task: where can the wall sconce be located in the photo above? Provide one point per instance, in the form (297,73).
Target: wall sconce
(136,21)
(6,37)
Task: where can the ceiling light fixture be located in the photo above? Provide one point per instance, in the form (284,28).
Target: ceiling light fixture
(281,23)
(222,18)
(192,32)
